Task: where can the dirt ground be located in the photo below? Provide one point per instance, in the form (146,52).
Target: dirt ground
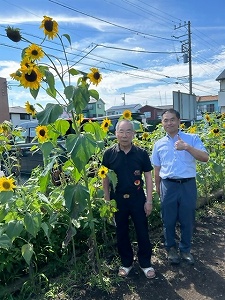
(204,280)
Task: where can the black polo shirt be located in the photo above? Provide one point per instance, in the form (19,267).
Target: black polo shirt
(128,167)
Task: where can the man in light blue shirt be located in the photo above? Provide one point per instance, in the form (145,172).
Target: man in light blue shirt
(174,158)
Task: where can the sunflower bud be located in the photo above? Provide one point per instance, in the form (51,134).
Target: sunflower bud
(13,34)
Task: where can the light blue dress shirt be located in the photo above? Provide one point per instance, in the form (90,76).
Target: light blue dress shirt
(176,163)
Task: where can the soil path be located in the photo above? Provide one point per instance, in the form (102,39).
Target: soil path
(204,280)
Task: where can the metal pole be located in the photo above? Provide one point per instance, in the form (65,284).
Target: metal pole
(189,58)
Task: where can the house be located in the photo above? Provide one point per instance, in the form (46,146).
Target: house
(153,112)
(4,111)
(115,110)
(94,108)
(221,93)
(207,104)
(18,115)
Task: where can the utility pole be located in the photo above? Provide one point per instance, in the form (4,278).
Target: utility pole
(124,99)
(186,49)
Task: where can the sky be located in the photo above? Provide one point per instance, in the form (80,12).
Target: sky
(136,45)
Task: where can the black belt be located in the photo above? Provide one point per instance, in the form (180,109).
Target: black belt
(179,180)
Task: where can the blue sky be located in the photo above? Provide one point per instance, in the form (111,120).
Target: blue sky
(115,35)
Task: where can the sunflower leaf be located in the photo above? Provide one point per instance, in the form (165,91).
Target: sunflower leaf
(94,94)
(50,114)
(67,37)
(34,93)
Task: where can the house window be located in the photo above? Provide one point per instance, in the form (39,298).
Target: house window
(90,106)
(210,108)
(99,106)
(24,117)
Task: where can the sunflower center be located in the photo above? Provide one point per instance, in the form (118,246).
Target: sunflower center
(42,132)
(32,77)
(48,25)
(96,75)
(35,52)
(6,185)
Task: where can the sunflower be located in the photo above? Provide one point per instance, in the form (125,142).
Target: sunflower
(95,77)
(26,65)
(80,118)
(105,124)
(16,75)
(215,131)
(34,52)
(127,114)
(192,129)
(223,145)
(30,109)
(42,133)
(13,34)
(31,79)
(50,27)
(102,172)
(207,117)
(6,184)
(145,136)
(182,126)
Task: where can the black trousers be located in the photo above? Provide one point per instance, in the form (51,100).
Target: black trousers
(132,207)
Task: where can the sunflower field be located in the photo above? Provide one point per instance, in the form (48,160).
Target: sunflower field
(57,221)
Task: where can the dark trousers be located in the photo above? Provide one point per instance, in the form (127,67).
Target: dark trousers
(178,204)
(132,207)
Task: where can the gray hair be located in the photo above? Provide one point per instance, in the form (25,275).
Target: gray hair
(124,120)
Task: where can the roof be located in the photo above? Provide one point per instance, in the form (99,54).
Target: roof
(17,110)
(129,106)
(221,76)
(207,98)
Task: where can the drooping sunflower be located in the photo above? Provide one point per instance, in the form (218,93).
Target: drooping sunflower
(105,124)
(30,109)
(6,184)
(215,131)
(13,34)
(127,114)
(102,172)
(95,77)
(207,117)
(31,79)
(34,52)
(192,129)
(50,27)
(42,133)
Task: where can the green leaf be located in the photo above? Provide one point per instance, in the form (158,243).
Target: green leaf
(74,72)
(32,223)
(5,196)
(50,80)
(81,147)
(76,197)
(14,229)
(78,96)
(34,93)
(50,114)
(51,93)
(27,252)
(67,37)
(5,242)
(94,94)
(95,128)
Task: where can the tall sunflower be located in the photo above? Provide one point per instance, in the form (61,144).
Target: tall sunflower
(216,131)
(127,114)
(42,133)
(105,124)
(30,109)
(13,34)
(31,79)
(102,172)
(95,77)
(34,52)
(50,27)
(7,184)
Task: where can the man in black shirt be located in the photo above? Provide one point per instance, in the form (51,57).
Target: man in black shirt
(129,162)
